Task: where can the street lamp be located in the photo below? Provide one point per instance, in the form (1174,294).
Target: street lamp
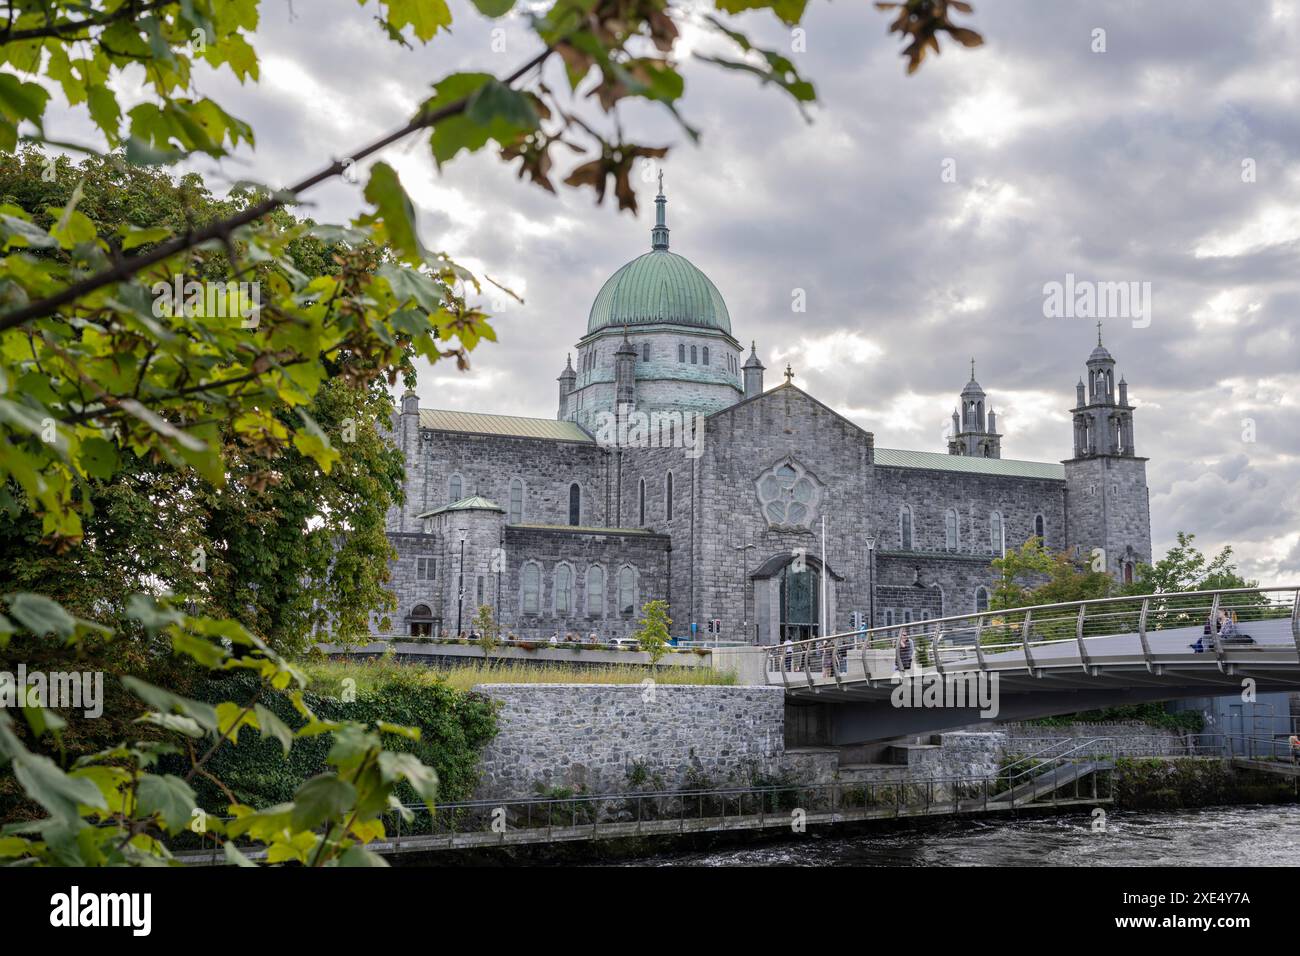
(745,585)
(871,581)
(460,583)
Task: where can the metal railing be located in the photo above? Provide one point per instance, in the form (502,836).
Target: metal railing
(974,641)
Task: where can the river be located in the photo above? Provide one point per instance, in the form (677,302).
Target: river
(1215,836)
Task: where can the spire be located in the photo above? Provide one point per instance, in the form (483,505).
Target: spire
(659,235)
(1099,331)
(972,368)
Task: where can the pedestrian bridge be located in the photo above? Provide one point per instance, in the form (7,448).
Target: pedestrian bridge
(1030,662)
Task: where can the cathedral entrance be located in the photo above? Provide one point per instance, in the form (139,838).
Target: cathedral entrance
(800,593)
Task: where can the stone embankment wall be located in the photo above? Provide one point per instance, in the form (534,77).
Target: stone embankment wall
(612,738)
(1126,738)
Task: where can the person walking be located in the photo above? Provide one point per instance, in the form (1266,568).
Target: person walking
(789,654)
(1295,747)
(903,656)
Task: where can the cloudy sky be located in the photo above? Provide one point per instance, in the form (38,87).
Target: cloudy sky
(1124,165)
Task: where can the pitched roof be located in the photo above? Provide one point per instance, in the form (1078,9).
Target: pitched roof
(513,426)
(472,503)
(937,461)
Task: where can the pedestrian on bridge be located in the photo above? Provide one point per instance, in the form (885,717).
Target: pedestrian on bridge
(1295,747)
(903,656)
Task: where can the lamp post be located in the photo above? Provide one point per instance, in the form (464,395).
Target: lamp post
(460,583)
(871,581)
(746,585)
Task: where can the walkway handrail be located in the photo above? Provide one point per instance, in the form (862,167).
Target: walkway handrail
(936,631)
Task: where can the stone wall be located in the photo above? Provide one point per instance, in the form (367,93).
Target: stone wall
(1129,737)
(591,737)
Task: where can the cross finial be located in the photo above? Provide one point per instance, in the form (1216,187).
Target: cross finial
(661,182)
(972,368)
(1099,331)
(789,373)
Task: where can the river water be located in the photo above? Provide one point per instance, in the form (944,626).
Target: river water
(1216,836)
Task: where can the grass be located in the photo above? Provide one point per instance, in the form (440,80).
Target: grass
(327,676)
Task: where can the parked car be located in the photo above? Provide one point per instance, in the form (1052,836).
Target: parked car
(624,643)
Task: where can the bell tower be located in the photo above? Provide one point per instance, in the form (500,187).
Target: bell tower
(974,429)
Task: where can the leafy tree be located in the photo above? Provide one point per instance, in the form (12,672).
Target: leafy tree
(654,630)
(1185,568)
(486,626)
(1035,575)
(105,374)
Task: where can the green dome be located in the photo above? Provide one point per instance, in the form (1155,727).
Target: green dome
(659,287)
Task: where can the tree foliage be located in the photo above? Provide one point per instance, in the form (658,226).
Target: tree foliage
(1033,574)
(164,354)
(654,630)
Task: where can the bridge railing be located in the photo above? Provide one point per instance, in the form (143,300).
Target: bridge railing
(1051,631)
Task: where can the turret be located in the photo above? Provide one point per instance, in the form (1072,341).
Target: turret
(973,433)
(625,375)
(567,379)
(753,372)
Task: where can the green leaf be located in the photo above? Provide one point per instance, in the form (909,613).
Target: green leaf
(494,111)
(42,616)
(273,726)
(394,208)
(234,856)
(56,791)
(411,284)
(168,796)
(494,8)
(360,856)
(164,701)
(323,797)
(22,101)
(426,17)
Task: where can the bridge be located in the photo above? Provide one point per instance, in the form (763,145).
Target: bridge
(1028,662)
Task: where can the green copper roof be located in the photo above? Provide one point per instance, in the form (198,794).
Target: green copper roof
(936,461)
(511,425)
(659,287)
(472,503)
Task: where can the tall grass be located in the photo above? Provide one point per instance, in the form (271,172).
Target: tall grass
(327,676)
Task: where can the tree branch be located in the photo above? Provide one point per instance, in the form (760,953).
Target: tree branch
(221,229)
(128,12)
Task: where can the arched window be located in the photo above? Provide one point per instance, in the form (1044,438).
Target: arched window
(563,590)
(575,504)
(626,591)
(640,506)
(950,535)
(1128,572)
(479,591)
(981,599)
(595,591)
(706,355)
(516,515)
(905,528)
(694,356)
(531,585)
(997,537)
(645,351)
(1040,529)
(668,497)
(681,353)
(454,489)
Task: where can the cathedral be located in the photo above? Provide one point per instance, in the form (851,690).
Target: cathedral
(671,471)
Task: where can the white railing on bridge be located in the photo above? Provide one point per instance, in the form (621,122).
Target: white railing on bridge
(1031,638)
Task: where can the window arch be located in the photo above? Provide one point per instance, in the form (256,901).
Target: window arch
(595,591)
(563,590)
(1040,529)
(681,352)
(421,621)
(640,506)
(668,497)
(694,355)
(905,528)
(706,355)
(997,534)
(981,599)
(951,532)
(575,504)
(516,515)
(627,590)
(645,351)
(455,489)
(530,583)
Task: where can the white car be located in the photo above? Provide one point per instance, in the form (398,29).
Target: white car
(624,644)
